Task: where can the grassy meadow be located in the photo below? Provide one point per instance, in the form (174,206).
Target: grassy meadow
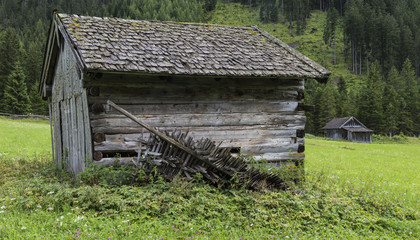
(352,191)
(24,138)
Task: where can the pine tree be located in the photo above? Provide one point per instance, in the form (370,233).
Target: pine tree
(391,104)
(328,104)
(370,101)
(10,53)
(409,91)
(330,28)
(16,99)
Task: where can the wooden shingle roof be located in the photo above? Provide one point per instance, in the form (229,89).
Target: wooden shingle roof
(338,123)
(155,47)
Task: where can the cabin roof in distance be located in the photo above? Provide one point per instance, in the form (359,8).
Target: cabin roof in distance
(156,47)
(336,123)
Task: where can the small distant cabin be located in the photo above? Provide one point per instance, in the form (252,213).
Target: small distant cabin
(238,86)
(348,128)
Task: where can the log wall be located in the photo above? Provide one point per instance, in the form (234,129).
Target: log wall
(70,115)
(259,116)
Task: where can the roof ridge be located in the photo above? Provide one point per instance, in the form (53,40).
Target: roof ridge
(246,27)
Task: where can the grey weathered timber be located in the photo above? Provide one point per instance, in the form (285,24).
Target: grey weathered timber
(237,86)
(69,114)
(179,152)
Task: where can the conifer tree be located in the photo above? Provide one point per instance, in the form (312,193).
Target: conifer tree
(328,104)
(16,99)
(370,102)
(330,28)
(391,104)
(9,54)
(410,94)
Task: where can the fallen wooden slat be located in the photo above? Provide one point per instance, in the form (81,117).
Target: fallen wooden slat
(175,152)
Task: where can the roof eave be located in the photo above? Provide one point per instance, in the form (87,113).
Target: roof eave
(56,30)
(140,73)
(48,52)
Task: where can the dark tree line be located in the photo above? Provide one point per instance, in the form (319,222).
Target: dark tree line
(387,31)
(24,26)
(388,105)
(381,39)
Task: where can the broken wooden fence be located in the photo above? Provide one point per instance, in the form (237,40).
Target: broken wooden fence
(174,153)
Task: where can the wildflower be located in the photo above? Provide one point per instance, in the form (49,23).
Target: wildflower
(38,206)
(4,229)
(62,217)
(50,209)
(23,228)
(3,207)
(50,193)
(112,229)
(42,236)
(12,199)
(2,211)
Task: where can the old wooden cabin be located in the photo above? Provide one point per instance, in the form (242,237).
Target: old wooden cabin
(235,85)
(348,128)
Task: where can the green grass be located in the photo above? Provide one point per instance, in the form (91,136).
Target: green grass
(26,138)
(353,191)
(389,171)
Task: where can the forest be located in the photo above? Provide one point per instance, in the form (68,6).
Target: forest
(380,39)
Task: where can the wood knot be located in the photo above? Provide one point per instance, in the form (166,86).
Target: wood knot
(98,108)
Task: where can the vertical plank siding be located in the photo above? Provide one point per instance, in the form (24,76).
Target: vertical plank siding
(69,114)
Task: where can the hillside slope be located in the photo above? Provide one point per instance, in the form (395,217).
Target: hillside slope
(310,43)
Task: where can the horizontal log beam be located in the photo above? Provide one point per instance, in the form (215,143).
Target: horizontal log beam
(252,107)
(210,120)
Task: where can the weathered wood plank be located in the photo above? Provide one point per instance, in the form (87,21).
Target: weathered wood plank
(192,94)
(86,121)
(74,152)
(268,148)
(134,130)
(64,130)
(56,115)
(151,81)
(253,106)
(278,157)
(199,120)
(81,131)
(107,147)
